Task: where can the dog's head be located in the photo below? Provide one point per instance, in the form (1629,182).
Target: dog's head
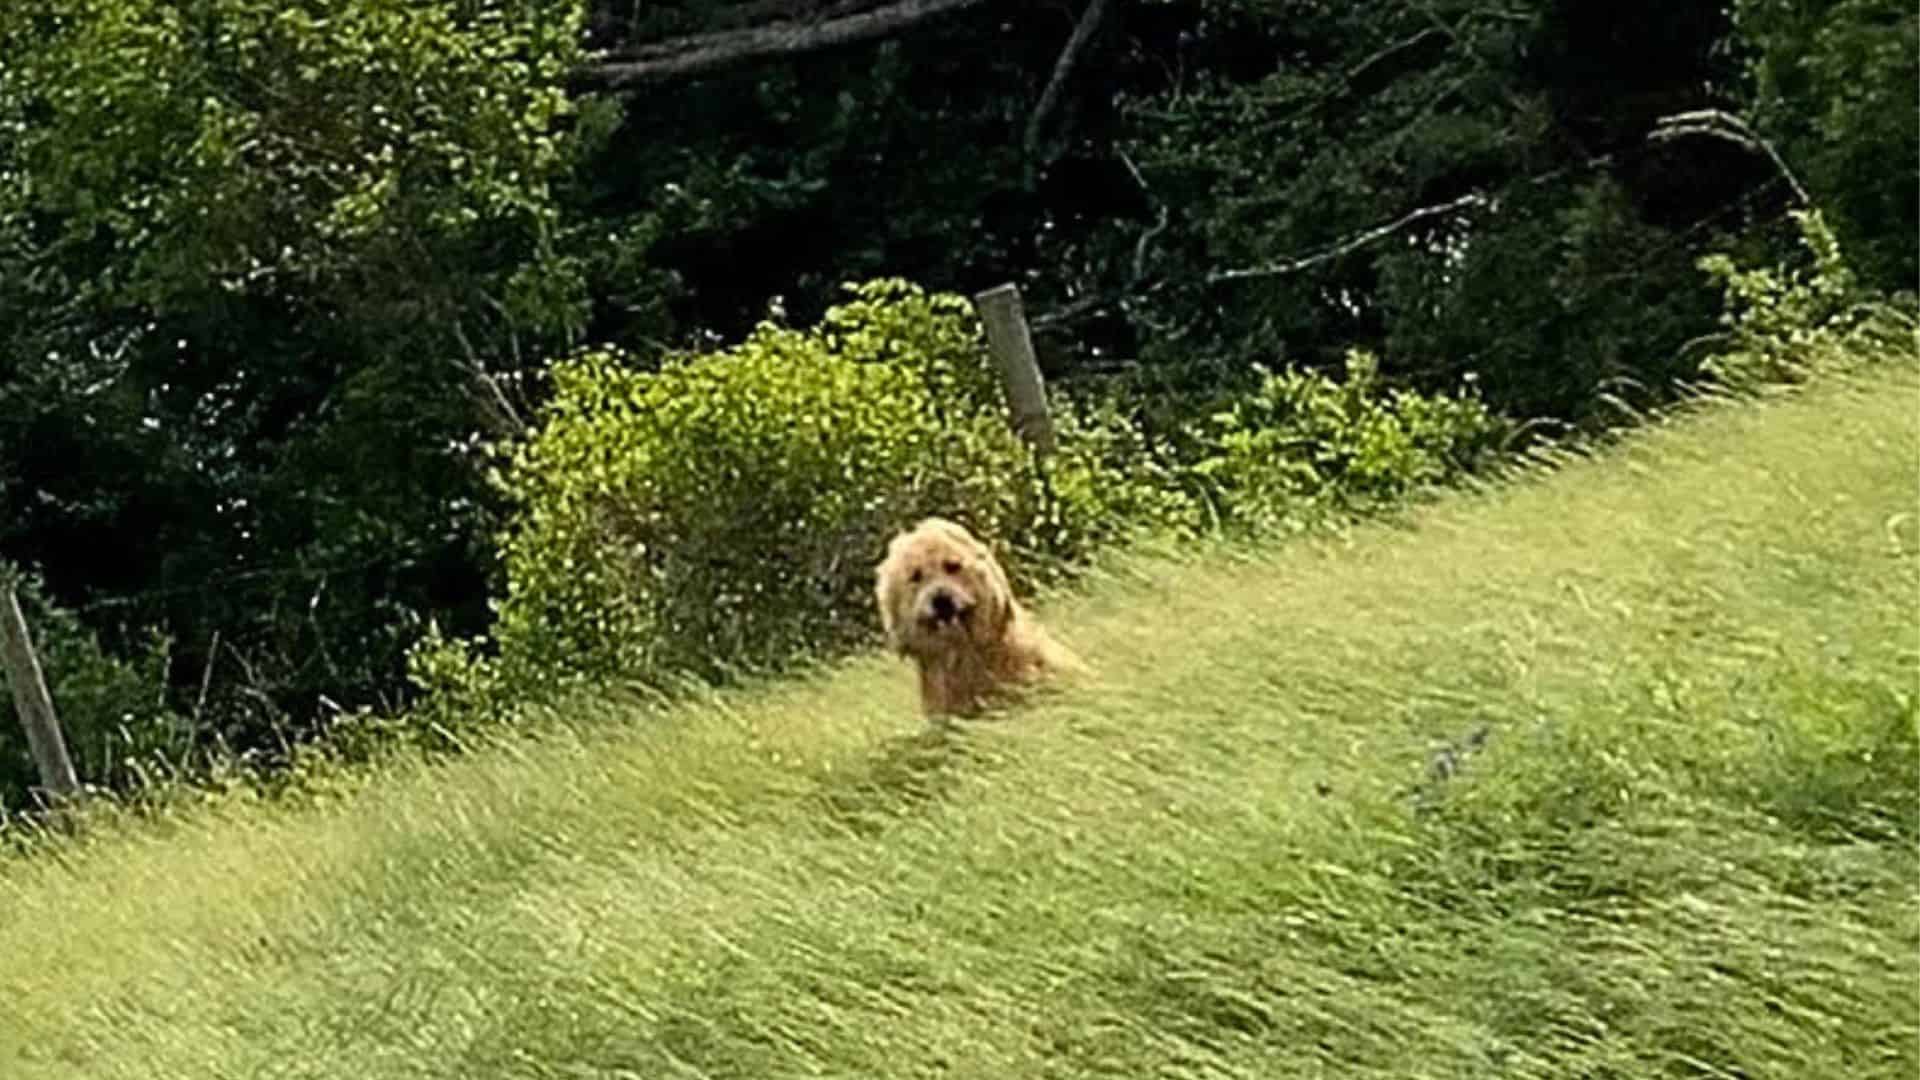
(939,586)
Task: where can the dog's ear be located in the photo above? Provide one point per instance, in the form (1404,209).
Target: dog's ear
(998,602)
(886,595)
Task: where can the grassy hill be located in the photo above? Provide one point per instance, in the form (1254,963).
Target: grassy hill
(1610,774)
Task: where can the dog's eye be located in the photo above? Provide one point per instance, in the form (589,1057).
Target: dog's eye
(914,578)
(952,566)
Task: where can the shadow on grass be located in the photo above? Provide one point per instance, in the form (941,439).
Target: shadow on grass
(907,774)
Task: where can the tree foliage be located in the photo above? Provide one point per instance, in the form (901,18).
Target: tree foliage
(1833,83)
(257,262)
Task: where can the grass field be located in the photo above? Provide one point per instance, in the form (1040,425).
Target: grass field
(1605,774)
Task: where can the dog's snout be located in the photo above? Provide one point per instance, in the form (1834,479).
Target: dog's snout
(943,606)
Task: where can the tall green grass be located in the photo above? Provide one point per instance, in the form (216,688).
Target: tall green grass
(1610,775)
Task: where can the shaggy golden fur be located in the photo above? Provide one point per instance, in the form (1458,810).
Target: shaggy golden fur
(946,603)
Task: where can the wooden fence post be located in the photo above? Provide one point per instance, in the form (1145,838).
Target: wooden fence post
(1012,346)
(30,697)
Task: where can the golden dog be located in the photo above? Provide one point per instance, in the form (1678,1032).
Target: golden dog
(945,602)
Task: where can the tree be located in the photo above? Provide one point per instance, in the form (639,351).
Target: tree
(1198,185)
(1471,190)
(263,267)
(1832,82)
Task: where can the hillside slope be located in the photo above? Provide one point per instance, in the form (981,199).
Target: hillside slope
(1605,774)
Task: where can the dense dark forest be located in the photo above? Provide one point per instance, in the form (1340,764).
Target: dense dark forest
(274,277)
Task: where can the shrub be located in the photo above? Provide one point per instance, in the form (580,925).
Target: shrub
(725,511)
(1107,482)
(1303,443)
(113,711)
(1784,324)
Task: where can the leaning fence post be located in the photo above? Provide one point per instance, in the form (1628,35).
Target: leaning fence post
(30,697)
(1012,346)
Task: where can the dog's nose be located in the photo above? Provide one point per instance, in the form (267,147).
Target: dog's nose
(943,607)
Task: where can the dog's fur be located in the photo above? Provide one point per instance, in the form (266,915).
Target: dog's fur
(946,603)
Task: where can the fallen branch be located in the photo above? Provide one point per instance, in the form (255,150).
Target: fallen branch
(702,53)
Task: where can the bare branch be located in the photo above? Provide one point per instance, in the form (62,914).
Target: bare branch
(1360,74)
(745,16)
(1133,288)
(1087,305)
(701,53)
(1147,237)
(1350,244)
(486,388)
(1716,124)
(1136,290)
(1506,91)
(1083,31)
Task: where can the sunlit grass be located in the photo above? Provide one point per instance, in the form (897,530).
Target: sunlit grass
(1610,773)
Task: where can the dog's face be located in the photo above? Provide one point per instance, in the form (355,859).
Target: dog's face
(937,587)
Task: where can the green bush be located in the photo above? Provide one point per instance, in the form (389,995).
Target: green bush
(1107,482)
(726,510)
(1302,444)
(1787,323)
(113,711)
